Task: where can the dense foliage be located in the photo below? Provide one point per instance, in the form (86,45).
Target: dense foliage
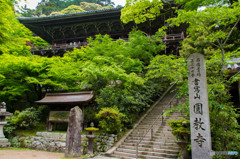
(213,31)
(13,35)
(26,119)
(84,6)
(57,7)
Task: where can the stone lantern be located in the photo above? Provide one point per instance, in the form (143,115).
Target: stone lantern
(184,141)
(3,141)
(91,136)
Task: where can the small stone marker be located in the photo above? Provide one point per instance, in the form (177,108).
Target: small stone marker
(199,110)
(73,138)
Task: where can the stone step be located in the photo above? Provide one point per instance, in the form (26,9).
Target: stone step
(156,112)
(151,142)
(154,135)
(122,157)
(145,146)
(148,121)
(164,118)
(156,127)
(161,107)
(176,148)
(162,145)
(155,145)
(142,132)
(174,116)
(149,126)
(165,129)
(152,121)
(149,137)
(157,122)
(147,155)
(149,150)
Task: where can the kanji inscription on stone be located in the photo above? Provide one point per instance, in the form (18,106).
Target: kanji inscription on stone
(199,110)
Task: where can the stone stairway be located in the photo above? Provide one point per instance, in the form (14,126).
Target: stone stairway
(161,145)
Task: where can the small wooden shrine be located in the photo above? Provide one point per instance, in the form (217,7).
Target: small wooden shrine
(61,103)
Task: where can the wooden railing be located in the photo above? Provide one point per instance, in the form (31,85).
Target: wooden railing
(170,37)
(173,37)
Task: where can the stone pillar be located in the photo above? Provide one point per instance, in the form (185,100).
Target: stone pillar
(199,110)
(90,143)
(73,139)
(184,151)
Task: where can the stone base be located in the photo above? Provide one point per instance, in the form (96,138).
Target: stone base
(4,143)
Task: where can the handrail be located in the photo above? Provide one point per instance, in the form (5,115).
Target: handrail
(151,127)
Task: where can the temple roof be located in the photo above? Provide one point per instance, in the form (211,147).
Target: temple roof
(76,27)
(67,16)
(72,26)
(74,98)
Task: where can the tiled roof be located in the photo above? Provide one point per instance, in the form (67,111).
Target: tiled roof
(64,16)
(66,98)
(233,65)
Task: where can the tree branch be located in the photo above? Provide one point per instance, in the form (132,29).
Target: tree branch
(213,44)
(219,43)
(231,31)
(234,75)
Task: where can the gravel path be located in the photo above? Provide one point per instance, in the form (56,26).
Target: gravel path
(33,154)
(29,154)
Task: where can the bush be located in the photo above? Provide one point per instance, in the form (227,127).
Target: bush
(181,129)
(27,118)
(110,120)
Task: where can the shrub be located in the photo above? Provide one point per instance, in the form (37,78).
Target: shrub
(27,118)
(110,120)
(181,129)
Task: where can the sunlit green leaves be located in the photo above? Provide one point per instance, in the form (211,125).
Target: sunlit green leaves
(13,35)
(170,67)
(140,11)
(196,4)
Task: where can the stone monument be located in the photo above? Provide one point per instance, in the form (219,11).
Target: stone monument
(199,110)
(3,141)
(73,138)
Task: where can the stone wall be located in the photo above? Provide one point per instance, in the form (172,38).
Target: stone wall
(57,142)
(105,142)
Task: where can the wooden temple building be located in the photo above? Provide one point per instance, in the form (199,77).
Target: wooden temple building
(64,32)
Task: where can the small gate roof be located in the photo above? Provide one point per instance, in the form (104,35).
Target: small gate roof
(73,98)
